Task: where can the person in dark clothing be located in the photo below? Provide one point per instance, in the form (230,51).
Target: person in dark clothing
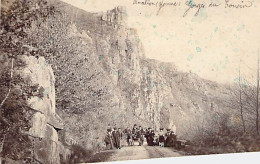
(120,137)
(161,138)
(129,135)
(134,131)
(148,137)
(173,139)
(121,134)
(109,140)
(152,134)
(167,137)
(116,137)
(140,136)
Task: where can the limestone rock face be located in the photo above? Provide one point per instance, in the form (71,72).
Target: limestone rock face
(117,16)
(44,122)
(40,73)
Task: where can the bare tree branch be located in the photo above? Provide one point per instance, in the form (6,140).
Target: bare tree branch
(10,86)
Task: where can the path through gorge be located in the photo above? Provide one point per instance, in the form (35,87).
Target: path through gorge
(143,152)
(139,152)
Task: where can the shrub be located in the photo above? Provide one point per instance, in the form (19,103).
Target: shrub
(78,154)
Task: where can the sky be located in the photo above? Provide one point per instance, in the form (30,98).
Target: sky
(214,44)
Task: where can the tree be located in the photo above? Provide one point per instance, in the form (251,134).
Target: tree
(241,102)
(257,97)
(237,100)
(246,97)
(14,22)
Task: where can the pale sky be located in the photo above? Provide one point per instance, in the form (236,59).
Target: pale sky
(211,44)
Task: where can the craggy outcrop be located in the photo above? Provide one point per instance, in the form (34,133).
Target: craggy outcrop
(44,123)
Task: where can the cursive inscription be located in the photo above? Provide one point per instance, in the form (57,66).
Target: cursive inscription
(194,5)
(237,5)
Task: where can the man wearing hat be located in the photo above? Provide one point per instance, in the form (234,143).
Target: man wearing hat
(173,138)
(140,135)
(167,136)
(129,135)
(120,136)
(147,136)
(109,139)
(152,134)
(116,137)
(161,138)
(135,129)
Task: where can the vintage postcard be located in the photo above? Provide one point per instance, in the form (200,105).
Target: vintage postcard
(85,81)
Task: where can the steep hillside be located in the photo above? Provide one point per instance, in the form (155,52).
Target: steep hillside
(103,79)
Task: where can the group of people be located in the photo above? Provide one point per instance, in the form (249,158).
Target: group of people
(113,138)
(137,133)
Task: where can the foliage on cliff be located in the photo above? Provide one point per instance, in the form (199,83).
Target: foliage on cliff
(15,114)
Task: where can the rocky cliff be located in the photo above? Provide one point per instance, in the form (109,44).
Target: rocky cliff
(105,80)
(45,122)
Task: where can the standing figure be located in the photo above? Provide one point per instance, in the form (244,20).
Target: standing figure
(147,136)
(140,136)
(129,138)
(134,131)
(161,138)
(167,137)
(108,139)
(120,136)
(153,141)
(121,133)
(173,139)
(116,137)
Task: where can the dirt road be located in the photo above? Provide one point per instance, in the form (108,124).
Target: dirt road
(135,153)
(143,152)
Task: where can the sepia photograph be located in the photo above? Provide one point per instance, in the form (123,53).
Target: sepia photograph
(90,81)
